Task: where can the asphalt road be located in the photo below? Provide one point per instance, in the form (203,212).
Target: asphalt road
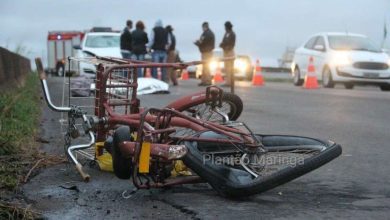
(354,186)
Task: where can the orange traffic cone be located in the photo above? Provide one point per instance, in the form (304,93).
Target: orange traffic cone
(311,77)
(218,76)
(257,79)
(148,73)
(185,75)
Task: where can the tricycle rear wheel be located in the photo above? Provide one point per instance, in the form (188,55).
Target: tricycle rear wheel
(122,166)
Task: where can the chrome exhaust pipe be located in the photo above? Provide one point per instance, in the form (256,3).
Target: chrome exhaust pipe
(42,76)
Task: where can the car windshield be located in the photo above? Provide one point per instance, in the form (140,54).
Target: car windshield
(102,41)
(351,43)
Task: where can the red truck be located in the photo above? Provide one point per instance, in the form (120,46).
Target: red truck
(60,46)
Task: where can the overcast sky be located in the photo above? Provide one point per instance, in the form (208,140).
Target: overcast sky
(263,28)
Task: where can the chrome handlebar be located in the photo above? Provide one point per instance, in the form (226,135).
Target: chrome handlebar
(46,93)
(75,111)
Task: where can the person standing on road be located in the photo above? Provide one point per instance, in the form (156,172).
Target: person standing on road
(139,39)
(227,44)
(158,44)
(172,54)
(126,40)
(206,44)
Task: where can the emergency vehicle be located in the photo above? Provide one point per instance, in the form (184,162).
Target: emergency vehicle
(60,45)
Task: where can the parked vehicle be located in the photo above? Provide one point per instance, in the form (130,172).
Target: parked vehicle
(342,58)
(60,46)
(97,44)
(243,68)
(145,145)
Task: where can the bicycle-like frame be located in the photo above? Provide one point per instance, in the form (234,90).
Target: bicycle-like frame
(152,126)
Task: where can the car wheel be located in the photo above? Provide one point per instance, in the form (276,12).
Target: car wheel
(60,70)
(327,79)
(297,77)
(349,85)
(385,87)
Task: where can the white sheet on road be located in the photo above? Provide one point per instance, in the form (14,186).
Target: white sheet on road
(151,85)
(83,86)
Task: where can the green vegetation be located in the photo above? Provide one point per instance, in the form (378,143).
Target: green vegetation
(12,211)
(19,114)
(19,111)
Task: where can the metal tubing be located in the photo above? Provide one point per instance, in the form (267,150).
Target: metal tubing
(48,99)
(80,147)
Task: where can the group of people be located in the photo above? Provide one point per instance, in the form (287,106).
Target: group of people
(206,45)
(162,45)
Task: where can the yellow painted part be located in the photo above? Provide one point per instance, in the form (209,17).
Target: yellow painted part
(98,146)
(104,160)
(143,165)
(180,169)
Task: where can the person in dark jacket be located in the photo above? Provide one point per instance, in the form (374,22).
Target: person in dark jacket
(206,44)
(172,54)
(126,40)
(227,44)
(139,39)
(158,45)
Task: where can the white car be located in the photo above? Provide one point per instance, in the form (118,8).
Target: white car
(106,44)
(98,44)
(342,58)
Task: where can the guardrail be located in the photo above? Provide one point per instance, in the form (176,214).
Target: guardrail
(13,69)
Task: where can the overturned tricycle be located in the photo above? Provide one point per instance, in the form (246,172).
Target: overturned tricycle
(194,139)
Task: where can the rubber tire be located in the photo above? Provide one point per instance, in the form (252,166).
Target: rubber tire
(232,98)
(385,87)
(229,189)
(330,80)
(349,85)
(122,166)
(298,82)
(236,101)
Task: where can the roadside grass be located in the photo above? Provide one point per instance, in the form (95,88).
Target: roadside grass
(19,114)
(19,154)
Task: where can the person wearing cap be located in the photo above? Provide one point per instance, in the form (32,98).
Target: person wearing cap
(172,54)
(206,44)
(125,40)
(227,44)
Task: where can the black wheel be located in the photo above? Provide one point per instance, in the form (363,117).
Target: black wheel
(349,85)
(327,79)
(285,158)
(122,165)
(385,87)
(297,77)
(231,104)
(60,70)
